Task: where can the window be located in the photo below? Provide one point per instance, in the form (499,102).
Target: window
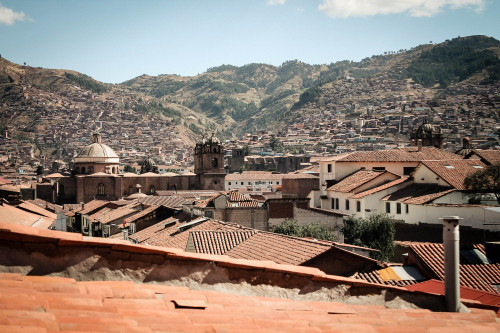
(408,170)
(398,208)
(216,182)
(215,162)
(346,204)
(229,183)
(388,207)
(242,183)
(358,206)
(407,209)
(335,203)
(277,182)
(379,168)
(329,168)
(100,189)
(152,189)
(83,170)
(249,183)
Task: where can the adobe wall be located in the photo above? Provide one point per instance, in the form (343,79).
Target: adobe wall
(248,217)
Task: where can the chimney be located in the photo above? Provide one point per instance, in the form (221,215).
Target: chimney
(419,144)
(466,143)
(125,234)
(451,242)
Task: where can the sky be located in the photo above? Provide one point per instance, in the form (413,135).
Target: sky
(117,40)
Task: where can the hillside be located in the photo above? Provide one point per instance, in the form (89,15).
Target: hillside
(51,113)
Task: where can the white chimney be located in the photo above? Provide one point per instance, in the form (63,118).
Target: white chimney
(451,243)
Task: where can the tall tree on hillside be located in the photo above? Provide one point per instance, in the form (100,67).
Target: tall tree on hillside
(484,182)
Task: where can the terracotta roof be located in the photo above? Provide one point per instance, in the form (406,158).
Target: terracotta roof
(107,215)
(170,236)
(491,156)
(37,210)
(350,183)
(407,154)
(173,201)
(454,172)
(34,303)
(300,176)
(217,242)
(437,287)
(279,248)
(479,276)
(47,205)
(183,296)
(11,214)
(418,194)
(379,188)
(140,214)
(373,276)
(4,181)
(91,206)
(258,176)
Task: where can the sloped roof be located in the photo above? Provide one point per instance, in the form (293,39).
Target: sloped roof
(490,156)
(454,172)
(406,154)
(107,215)
(37,210)
(125,306)
(479,276)
(185,300)
(418,194)
(217,242)
(92,205)
(379,188)
(172,201)
(357,179)
(11,214)
(437,287)
(279,248)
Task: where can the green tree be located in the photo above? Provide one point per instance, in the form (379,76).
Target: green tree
(275,144)
(246,150)
(484,182)
(39,170)
(129,168)
(376,232)
(314,230)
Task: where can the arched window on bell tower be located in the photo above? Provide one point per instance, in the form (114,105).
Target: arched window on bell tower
(215,162)
(100,189)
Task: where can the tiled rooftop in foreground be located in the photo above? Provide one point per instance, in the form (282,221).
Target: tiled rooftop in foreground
(56,281)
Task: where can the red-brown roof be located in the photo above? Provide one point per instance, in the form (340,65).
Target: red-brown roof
(418,194)
(490,156)
(454,171)
(91,206)
(407,154)
(279,248)
(379,188)
(437,287)
(37,210)
(217,242)
(478,276)
(357,179)
(53,304)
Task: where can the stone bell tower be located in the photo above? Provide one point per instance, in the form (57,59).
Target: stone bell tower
(209,163)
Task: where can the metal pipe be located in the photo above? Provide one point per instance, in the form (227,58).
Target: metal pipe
(451,242)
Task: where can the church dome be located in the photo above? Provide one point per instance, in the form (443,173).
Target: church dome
(97,152)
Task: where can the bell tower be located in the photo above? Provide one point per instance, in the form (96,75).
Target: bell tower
(209,156)
(209,164)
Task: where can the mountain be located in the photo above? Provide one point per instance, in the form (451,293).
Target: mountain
(52,110)
(259,96)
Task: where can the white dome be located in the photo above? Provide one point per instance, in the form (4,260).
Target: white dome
(97,152)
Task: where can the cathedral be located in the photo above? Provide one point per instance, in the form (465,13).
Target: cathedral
(96,175)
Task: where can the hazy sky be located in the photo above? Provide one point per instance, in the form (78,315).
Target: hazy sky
(117,40)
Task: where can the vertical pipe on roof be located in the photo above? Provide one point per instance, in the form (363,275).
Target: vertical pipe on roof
(451,240)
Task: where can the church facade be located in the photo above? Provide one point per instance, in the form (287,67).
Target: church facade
(96,176)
